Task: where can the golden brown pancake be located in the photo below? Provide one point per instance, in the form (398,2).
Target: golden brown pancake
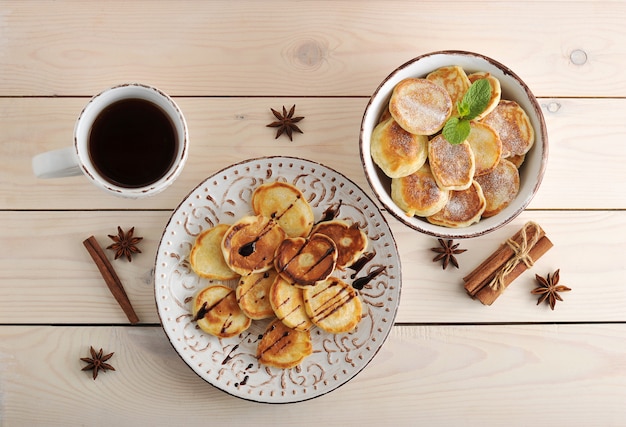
(305,262)
(288,304)
(250,243)
(517,160)
(333,306)
(454,80)
(286,204)
(452,165)
(206,258)
(253,294)
(350,240)
(496,91)
(283,347)
(396,151)
(216,311)
(486,147)
(420,106)
(513,126)
(418,194)
(464,208)
(500,187)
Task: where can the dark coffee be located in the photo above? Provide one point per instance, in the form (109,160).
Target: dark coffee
(132,143)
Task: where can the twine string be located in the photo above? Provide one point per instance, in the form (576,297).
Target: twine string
(521,253)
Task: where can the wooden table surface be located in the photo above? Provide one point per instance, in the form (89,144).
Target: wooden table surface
(449,360)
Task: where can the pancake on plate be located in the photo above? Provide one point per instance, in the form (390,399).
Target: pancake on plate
(500,187)
(250,243)
(333,306)
(286,204)
(513,126)
(206,258)
(454,80)
(486,147)
(304,262)
(253,294)
(464,208)
(396,151)
(420,106)
(418,194)
(283,347)
(349,239)
(452,165)
(216,312)
(288,305)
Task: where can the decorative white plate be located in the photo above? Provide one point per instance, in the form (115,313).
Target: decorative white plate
(231,364)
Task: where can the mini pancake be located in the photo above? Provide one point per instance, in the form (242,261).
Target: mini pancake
(253,293)
(500,187)
(420,106)
(396,151)
(286,204)
(333,306)
(288,305)
(454,80)
(513,126)
(283,347)
(216,311)
(496,91)
(305,262)
(464,208)
(486,147)
(250,243)
(418,194)
(452,165)
(350,240)
(517,160)
(206,258)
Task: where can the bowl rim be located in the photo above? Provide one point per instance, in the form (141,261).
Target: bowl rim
(465,232)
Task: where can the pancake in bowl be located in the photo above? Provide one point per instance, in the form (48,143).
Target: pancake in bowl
(496,91)
(333,306)
(452,165)
(397,152)
(206,258)
(283,347)
(250,243)
(420,106)
(464,208)
(418,194)
(350,240)
(286,204)
(513,126)
(486,147)
(500,187)
(454,80)
(216,312)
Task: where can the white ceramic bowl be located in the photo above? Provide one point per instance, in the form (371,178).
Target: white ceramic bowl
(513,88)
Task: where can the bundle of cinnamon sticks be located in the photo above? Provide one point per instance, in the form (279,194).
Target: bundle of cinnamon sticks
(508,262)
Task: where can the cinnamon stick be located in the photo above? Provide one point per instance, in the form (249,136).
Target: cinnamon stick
(487,295)
(486,271)
(110,278)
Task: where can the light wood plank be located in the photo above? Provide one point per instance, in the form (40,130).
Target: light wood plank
(303,48)
(546,375)
(46,275)
(585,168)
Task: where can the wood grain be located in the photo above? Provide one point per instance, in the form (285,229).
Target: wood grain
(585,167)
(282,48)
(66,287)
(520,375)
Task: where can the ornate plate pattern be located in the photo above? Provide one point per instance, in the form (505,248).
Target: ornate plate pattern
(230,364)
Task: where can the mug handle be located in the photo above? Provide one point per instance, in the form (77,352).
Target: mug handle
(56,163)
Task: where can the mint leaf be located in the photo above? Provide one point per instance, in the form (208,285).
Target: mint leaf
(463,108)
(476,98)
(456,130)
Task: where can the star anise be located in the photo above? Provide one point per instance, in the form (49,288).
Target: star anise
(97,362)
(447,252)
(125,244)
(549,289)
(286,122)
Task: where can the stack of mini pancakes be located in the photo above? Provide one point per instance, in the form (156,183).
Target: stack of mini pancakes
(450,185)
(283,263)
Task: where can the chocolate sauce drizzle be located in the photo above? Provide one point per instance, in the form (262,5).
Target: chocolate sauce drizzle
(362,281)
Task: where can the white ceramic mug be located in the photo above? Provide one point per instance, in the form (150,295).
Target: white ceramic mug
(109,124)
